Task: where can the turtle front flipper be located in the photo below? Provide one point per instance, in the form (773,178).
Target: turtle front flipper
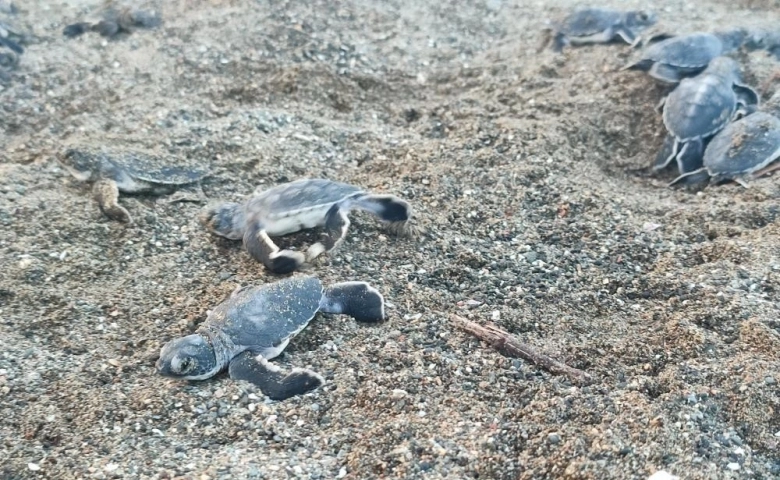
(667,153)
(627,35)
(12,45)
(545,39)
(747,97)
(359,300)
(691,157)
(668,73)
(643,65)
(106,194)
(270,379)
(560,41)
(263,249)
(691,178)
(336,226)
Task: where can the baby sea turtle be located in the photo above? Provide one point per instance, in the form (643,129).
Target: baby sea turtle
(10,49)
(597,25)
(698,109)
(8,59)
(255,325)
(114,171)
(116,20)
(763,39)
(745,149)
(12,38)
(299,205)
(674,58)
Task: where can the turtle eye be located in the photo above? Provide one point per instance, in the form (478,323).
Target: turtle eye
(185,365)
(643,16)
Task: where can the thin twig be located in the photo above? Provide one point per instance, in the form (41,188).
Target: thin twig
(507,343)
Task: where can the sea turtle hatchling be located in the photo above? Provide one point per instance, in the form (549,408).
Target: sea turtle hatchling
(675,58)
(113,171)
(598,25)
(745,149)
(255,325)
(11,38)
(295,206)
(10,49)
(116,20)
(699,108)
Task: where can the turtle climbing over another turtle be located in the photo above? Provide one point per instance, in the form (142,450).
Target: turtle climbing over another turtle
(299,205)
(745,149)
(675,58)
(598,25)
(699,108)
(255,325)
(128,171)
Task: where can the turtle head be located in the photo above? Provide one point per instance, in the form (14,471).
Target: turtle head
(762,39)
(81,164)
(191,357)
(227,220)
(725,67)
(733,39)
(641,18)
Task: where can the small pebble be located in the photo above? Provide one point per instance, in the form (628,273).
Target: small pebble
(662,475)
(398,393)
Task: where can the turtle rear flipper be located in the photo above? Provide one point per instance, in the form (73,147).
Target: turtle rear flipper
(392,210)
(106,194)
(388,208)
(359,300)
(270,378)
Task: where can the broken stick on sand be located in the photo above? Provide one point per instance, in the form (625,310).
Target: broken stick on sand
(505,342)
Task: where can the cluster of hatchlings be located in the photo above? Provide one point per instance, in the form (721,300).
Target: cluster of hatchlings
(716,129)
(112,19)
(255,324)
